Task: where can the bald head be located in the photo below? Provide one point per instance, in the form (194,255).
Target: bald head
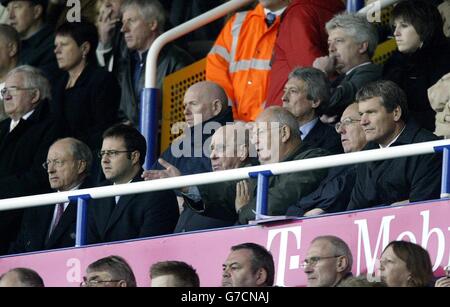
(21,277)
(203,101)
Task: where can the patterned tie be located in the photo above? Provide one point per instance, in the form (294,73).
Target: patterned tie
(270,18)
(59,213)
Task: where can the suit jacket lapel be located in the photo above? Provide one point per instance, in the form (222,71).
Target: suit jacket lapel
(118,210)
(67,220)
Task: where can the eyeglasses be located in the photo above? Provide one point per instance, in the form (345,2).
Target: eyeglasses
(312,261)
(96,282)
(111,153)
(13,90)
(56,163)
(344,123)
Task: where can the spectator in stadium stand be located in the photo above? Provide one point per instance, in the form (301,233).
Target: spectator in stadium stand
(173,274)
(205,110)
(111,271)
(276,136)
(28,18)
(24,141)
(9,53)
(439,97)
(360,282)
(306,93)
(53,226)
(240,58)
(386,123)
(87,97)
(351,44)
(248,265)
(230,149)
(406,264)
(333,193)
(422,56)
(143,21)
(128,216)
(301,39)
(21,277)
(111,45)
(328,262)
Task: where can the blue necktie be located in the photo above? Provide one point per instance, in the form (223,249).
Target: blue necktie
(270,18)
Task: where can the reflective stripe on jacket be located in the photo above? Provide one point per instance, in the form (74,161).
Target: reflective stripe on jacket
(240,61)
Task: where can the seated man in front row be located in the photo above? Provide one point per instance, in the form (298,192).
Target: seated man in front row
(128,216)
(333,193)
(384,118)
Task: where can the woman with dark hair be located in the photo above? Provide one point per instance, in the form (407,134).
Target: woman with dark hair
(422,57)
(405,264)
(87,97)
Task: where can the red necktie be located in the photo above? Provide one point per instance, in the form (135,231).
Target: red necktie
(59,213)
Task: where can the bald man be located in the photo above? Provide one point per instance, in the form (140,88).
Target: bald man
(230,149)
(205,110)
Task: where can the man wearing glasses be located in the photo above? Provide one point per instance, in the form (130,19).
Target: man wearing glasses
(333,194)
(128,216)
(24,141)
(111,271)
(328,262)
(68,163)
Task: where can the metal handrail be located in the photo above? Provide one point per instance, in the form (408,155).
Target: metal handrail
(228,175)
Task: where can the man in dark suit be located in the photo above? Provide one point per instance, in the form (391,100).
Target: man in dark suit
(306,93)
(24,141)
(68,164)
(128,216)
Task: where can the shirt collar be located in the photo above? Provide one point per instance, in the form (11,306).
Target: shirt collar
(394,140)
(14,123)
(306,128)
(362,64)
(277,13)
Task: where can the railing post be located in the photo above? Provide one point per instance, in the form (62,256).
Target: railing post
(261,192)
(445,180)
(354,6)
(149,123)
(80,231)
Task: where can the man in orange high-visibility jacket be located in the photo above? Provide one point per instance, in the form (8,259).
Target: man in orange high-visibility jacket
(240,58)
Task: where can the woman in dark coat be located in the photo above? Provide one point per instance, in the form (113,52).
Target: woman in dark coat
(422,58)
(87,97)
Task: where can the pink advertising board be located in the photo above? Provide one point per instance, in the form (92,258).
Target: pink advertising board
(366,232)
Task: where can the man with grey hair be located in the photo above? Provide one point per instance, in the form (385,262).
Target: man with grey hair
(24,141)
(47,227)
(328,262)
(276,136)
(142,22)
(306,93)
(9,55)
(351,44)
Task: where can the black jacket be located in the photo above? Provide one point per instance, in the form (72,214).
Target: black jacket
(22,152)
(332,195)
(415,178)
(170,60)
(89,107)
(33,235)
(134,216)
(324,136)
(344,88)
(417,72)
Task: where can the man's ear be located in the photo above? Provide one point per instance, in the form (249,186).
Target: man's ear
(12,49)
(397,113)
(341,264)
(315,103)
(261,277)
(36,96)
(363,47)
(285,133)
(217,107)
(38,11)
(81,166)
(85,48)
(135,155)
(153,25)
